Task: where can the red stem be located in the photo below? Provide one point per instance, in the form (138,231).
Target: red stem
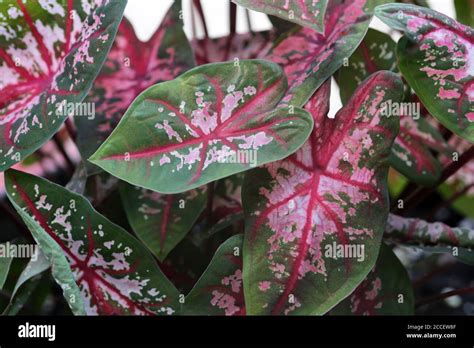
(232,28)
(198,5)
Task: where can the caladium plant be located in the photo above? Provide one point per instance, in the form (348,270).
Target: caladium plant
(50,53)
(211,175)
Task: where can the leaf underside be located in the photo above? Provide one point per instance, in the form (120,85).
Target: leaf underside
(309,13)
(433,237)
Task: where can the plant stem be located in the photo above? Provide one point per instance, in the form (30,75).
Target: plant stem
(198,5)
(193,21)
(421,193)
(443,296)
(232,28)
(249,20)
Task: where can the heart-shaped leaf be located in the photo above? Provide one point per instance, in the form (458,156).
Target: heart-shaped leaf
(433,237)
(308,13)
(131,67)
(436,57)
(307,216)
(309,57)
(162,221)
(241,46)
(114,271)
(50,53)
(387,290)
(223,121)
(219,291)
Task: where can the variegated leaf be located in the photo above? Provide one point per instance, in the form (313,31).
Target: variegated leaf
(50,53)
(308,13)
(387,290)
(223,121)
(219,291)
(436,57)
(162,221)
(309,57)
(131,67)
(114,271)
(432,237)
(329,196)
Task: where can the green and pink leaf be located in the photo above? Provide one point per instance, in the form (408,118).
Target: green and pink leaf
(309,57)
(220,290)
(308,13)
(114,272)
(50,53)
(184,140)
(331,192)
(436,57)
